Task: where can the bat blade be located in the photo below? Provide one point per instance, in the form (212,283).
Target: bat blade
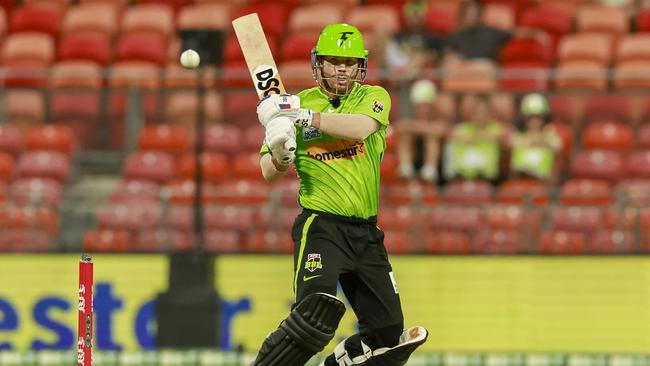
(257,53)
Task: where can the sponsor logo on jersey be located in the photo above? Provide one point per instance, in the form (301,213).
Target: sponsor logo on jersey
(310,133)
(377,107)
(336,150)
(313,262)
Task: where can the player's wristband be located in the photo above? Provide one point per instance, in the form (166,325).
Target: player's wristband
(304,118)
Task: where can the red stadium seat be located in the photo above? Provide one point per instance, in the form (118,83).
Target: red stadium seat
(500,217)
(598,164)
(456,218)
(372,17)
(182,192)
(407,192)
(401,218)
(632,75)
(644,136)
(11,140)
(148,19)
(586,47)
(243,192)
(586,192)
(223,139)
(524,76)
(178,77)
(24,240)
(142,74)
(469,76)
(204,16)
(309,20)
(299,75)
(603,107)
(268,241)
(612,242)
(448,242)
(95,47)
(521,191)
(626,219)
(181,108)
(163,240)
(25,107)
(608,136)
(96,17)
(253,138)
(135,191)
(499,242)
(634,192)
(221,241)
(241,108)
(229,217)
(273,16)
(52,138)
(131,217)
(142,47)
(468,192)
(581,219)
(247,165)
(298,48)
(173,140)
(531,49)
(638,164)
(441,18)
(270,218)
(34,47)
(106,240)
(44,164)
(633,47)
(154,166)
(215,167)
(552,20)
(6,167)
(562,243)
(602,19)
(32,18)
(76,75)
(30,217)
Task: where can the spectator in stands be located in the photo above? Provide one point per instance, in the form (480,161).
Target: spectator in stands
(474,40)
(423,126)
(535,145)
(474,145)
(414,48)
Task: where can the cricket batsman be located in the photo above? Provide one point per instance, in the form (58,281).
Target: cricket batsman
(339,129)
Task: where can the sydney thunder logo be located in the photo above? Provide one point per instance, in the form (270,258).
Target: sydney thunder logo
(344,37)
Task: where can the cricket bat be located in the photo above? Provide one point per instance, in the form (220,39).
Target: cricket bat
(259,59)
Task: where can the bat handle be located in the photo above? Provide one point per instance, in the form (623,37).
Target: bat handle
(290,145)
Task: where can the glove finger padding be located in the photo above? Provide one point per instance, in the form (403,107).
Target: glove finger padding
(276,105)
(281,140)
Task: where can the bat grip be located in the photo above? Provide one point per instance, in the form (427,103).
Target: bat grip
(290,145)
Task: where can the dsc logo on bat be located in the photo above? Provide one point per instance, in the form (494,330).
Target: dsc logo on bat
(266,80)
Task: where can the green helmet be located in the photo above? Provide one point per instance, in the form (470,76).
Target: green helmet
(341,40)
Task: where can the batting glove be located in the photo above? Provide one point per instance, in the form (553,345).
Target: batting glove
(276,105)
(280,138)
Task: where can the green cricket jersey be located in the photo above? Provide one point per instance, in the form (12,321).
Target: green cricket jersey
(341,176)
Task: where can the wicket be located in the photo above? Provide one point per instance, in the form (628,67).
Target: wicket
(85,334)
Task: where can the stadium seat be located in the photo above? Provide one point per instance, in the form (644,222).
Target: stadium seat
(162,240)
(309,20)
(581,75)
(182,191)
(37,48)
(643,136)
(407,192)
(181,108)
(590,192)
(401,218)
(548,18)
(643,20)
(178,77)
(222,241)
(399,242)
(91,17)
(75,75)
(243,192)
(52,138)
(141,47)
(95,47)
(31,18)
(298,47)
(467,192)
(148,19)
(24,107)
(448,242)
(204,16)
(241,108)
(499,242)
(106,240)
(500,16)
(603,107)
(612,242)
(524,76)
(44,164)
(469,76)
(131,217)
(585,219)
(369,18)
(215,167)
(635,46)
(269,241)
(173,140)
(602,19)
(175,5)
(127,74)
(585,47)
(223,139)
(25,240)
(239,218)
(634,192)
(608,136)
(154,166)
(456,218)
(11,140)
(253,138)
(597,164)
(247,165)
(518,192)
(441,18)
(511,217)
(6,167)
(562,243)
(134,190)
(527,49)
(638,164)
(632,75)
(626,218)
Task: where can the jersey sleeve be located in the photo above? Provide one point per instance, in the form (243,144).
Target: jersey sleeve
(376,104)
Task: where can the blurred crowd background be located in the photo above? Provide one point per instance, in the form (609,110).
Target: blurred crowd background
(517,126)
